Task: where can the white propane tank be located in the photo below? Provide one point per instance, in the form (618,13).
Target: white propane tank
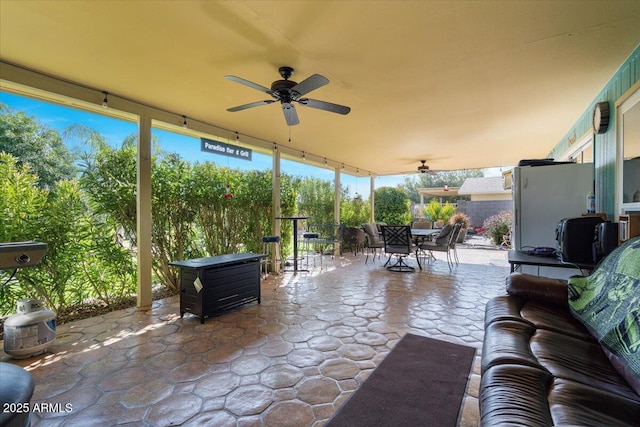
(29,332)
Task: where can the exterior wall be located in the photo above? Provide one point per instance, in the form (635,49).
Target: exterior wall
(488,197)
(479,211)
(605,144)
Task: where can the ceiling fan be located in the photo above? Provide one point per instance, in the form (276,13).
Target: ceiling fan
(423,168)
(287,91)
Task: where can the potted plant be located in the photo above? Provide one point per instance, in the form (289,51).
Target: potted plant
(463,220)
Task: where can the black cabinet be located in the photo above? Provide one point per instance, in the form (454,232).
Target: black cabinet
(209,286)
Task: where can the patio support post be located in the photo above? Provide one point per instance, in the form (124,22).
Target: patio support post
(143,212)
(275,196)
(336,212)
(371,197)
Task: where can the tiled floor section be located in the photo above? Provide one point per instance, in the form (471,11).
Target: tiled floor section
(290,361)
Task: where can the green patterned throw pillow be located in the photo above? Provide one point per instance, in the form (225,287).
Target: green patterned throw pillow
(607,302)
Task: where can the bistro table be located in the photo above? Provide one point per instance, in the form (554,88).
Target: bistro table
(295,220)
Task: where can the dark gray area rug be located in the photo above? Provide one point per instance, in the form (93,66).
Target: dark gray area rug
(421,382)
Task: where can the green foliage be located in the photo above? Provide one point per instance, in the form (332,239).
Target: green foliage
(437,212)
(107,261)
(236,224)
(497,226)
(432,210)
(80,248)
(354,212)
(392,206)
(21,201)
(33,144)
(447,210)
(174,214)
(109,180)
(316,200)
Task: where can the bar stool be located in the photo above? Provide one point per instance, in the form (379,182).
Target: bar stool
(267,243)
(307,238)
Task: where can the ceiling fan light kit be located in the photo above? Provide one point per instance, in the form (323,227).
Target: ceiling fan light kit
(287,91)
(423,168)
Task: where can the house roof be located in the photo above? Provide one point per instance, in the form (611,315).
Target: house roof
(483,185)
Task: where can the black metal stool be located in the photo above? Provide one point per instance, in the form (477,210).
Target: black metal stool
(307,238)
(267,243)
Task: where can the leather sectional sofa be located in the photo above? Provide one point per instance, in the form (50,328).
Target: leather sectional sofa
(565,353)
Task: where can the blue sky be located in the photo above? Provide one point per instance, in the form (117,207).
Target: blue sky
(60,117)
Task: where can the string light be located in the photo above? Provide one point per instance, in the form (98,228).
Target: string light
(105,101)
(237,137)
(303,156)
(184,122)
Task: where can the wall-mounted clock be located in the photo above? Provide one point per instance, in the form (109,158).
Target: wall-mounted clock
(601,117)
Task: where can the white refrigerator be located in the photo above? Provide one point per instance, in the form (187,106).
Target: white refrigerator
(542,196)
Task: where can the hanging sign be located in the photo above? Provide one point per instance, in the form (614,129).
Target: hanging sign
(215,147)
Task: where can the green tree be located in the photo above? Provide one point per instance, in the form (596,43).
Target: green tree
(173,216)
(109,181)
(354,212)
(50,216)
(316,199)
(34,144)
(392,206)
(438,212)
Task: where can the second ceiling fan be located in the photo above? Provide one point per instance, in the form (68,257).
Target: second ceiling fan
(287,91)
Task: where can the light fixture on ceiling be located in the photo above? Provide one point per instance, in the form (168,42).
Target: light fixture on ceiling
(423,168)
(184,122)
(105,101)
(237,137)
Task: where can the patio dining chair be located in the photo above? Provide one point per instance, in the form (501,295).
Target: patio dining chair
(373,240)
(444,242)
(354,237)
(398,242)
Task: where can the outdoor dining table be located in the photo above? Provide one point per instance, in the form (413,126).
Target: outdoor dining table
(424,232)
(295,220)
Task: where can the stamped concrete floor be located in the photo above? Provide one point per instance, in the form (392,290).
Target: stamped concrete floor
(290,361)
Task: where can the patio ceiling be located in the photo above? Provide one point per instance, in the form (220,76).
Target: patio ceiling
(464,84)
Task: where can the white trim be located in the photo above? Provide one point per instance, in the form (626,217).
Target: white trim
(572,152)
(626,103)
